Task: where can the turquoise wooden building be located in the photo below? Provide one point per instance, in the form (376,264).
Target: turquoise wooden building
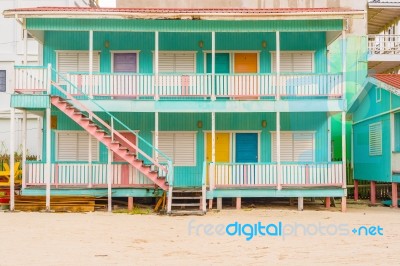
(229,103)
(376,133)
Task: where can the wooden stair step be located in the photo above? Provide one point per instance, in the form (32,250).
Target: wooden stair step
(174,197)
(185,204)
(186,212)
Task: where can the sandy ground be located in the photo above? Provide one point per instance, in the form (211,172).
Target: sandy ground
(120,239)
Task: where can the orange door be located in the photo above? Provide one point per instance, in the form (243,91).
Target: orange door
(245,86)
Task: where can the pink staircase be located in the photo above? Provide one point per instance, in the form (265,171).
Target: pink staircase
(126,150)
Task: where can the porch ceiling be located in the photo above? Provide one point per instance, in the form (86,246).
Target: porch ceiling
(377,67)
(379,16)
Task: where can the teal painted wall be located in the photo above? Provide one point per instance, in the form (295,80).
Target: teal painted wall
(182,25)
(191,176)
(397,132)
(370,106)
(30,101)
(144,42)
(368,167)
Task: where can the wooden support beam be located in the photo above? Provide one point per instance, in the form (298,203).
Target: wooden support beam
(130,203)
(395,196)
(219,203)
(300,204)
(344,204)
(210,204)
(238,203)
(327,202)
(373,192)
(355,190)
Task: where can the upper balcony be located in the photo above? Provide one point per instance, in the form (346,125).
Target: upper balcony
(384,53)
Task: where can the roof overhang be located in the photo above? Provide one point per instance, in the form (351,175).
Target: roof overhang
(185,14)
(381,15)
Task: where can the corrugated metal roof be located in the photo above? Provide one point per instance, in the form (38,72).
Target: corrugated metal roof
(185,10)
(390,79)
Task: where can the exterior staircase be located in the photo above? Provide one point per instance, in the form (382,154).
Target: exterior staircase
(105,133)
(186,201)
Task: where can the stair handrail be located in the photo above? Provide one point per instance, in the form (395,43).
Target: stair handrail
(115,119)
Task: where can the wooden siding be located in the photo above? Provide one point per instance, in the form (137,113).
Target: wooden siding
(144,41)
(191,176)
(367,167)
(182,25)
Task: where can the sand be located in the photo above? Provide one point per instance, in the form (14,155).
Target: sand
(101,238)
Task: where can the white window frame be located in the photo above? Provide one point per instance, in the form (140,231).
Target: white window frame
(378,94)
(375,128)
(137,52)
(97,147)
(273,53)
(76,52)
(174,148)
(293,133)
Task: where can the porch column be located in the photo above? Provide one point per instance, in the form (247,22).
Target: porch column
(344,60)
(39,146)
(24,128)
(12,159)
(355,190)
(329,139)
(91,64)
(373,192)
(48,157)
(278,64)
(90,159)
(213,65)
(395,196)
(278,151)
(156,134)
(109,181)
(156,51)
(344,160)
(25,47)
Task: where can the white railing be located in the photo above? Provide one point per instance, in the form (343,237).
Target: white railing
(79,174)
(236,86)
(232,174)
(396,162)
(32,79)
(265,174)
(313,174)
(384,44)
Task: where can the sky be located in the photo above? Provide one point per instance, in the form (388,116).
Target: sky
(107,3)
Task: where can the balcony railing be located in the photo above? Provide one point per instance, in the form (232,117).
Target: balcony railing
(186,86)
(85,175)
(265,175)
(384,44)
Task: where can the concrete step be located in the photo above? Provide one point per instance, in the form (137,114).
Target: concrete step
(186,212)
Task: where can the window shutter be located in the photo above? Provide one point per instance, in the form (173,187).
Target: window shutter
(375,139)
(77,62)
(74,146)
(83,62)
(177,63)
(166,63)
(166,145)
(3,81)
(303,147)
(294,62)
(125,62)
(286,147)
(185,149)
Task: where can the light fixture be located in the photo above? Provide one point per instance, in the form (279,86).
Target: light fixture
(106,43)
(264,123)
(201,44)
(264,44)
(199,124)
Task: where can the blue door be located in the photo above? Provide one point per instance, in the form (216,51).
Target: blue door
(246,147)
(221,63)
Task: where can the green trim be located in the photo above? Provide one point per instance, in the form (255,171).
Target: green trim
(272,192)
(30,101)
(67,24)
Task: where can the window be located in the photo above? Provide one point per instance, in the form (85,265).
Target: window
(180,147)
(125,62)
(295,146)
(378,92)
(76,61)
(375,139)
(74,146)
(177,62)
(3,81)
(294,62)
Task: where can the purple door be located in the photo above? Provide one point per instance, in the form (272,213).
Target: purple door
(125,62)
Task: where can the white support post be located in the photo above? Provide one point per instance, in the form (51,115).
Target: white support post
(278,65)
(109,181)
(24,136)
(91,64)
(40,138)
(329,138)
(213,66)
(278,150)
(212,169)
(12,159)
(156,63)
(344,64)
(48,157)
(344,147)
(90,159)
(25,47)
(156,134)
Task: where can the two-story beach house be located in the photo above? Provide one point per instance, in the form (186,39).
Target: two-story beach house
(229,103)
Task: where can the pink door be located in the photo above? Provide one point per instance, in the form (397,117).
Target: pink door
(124,167)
